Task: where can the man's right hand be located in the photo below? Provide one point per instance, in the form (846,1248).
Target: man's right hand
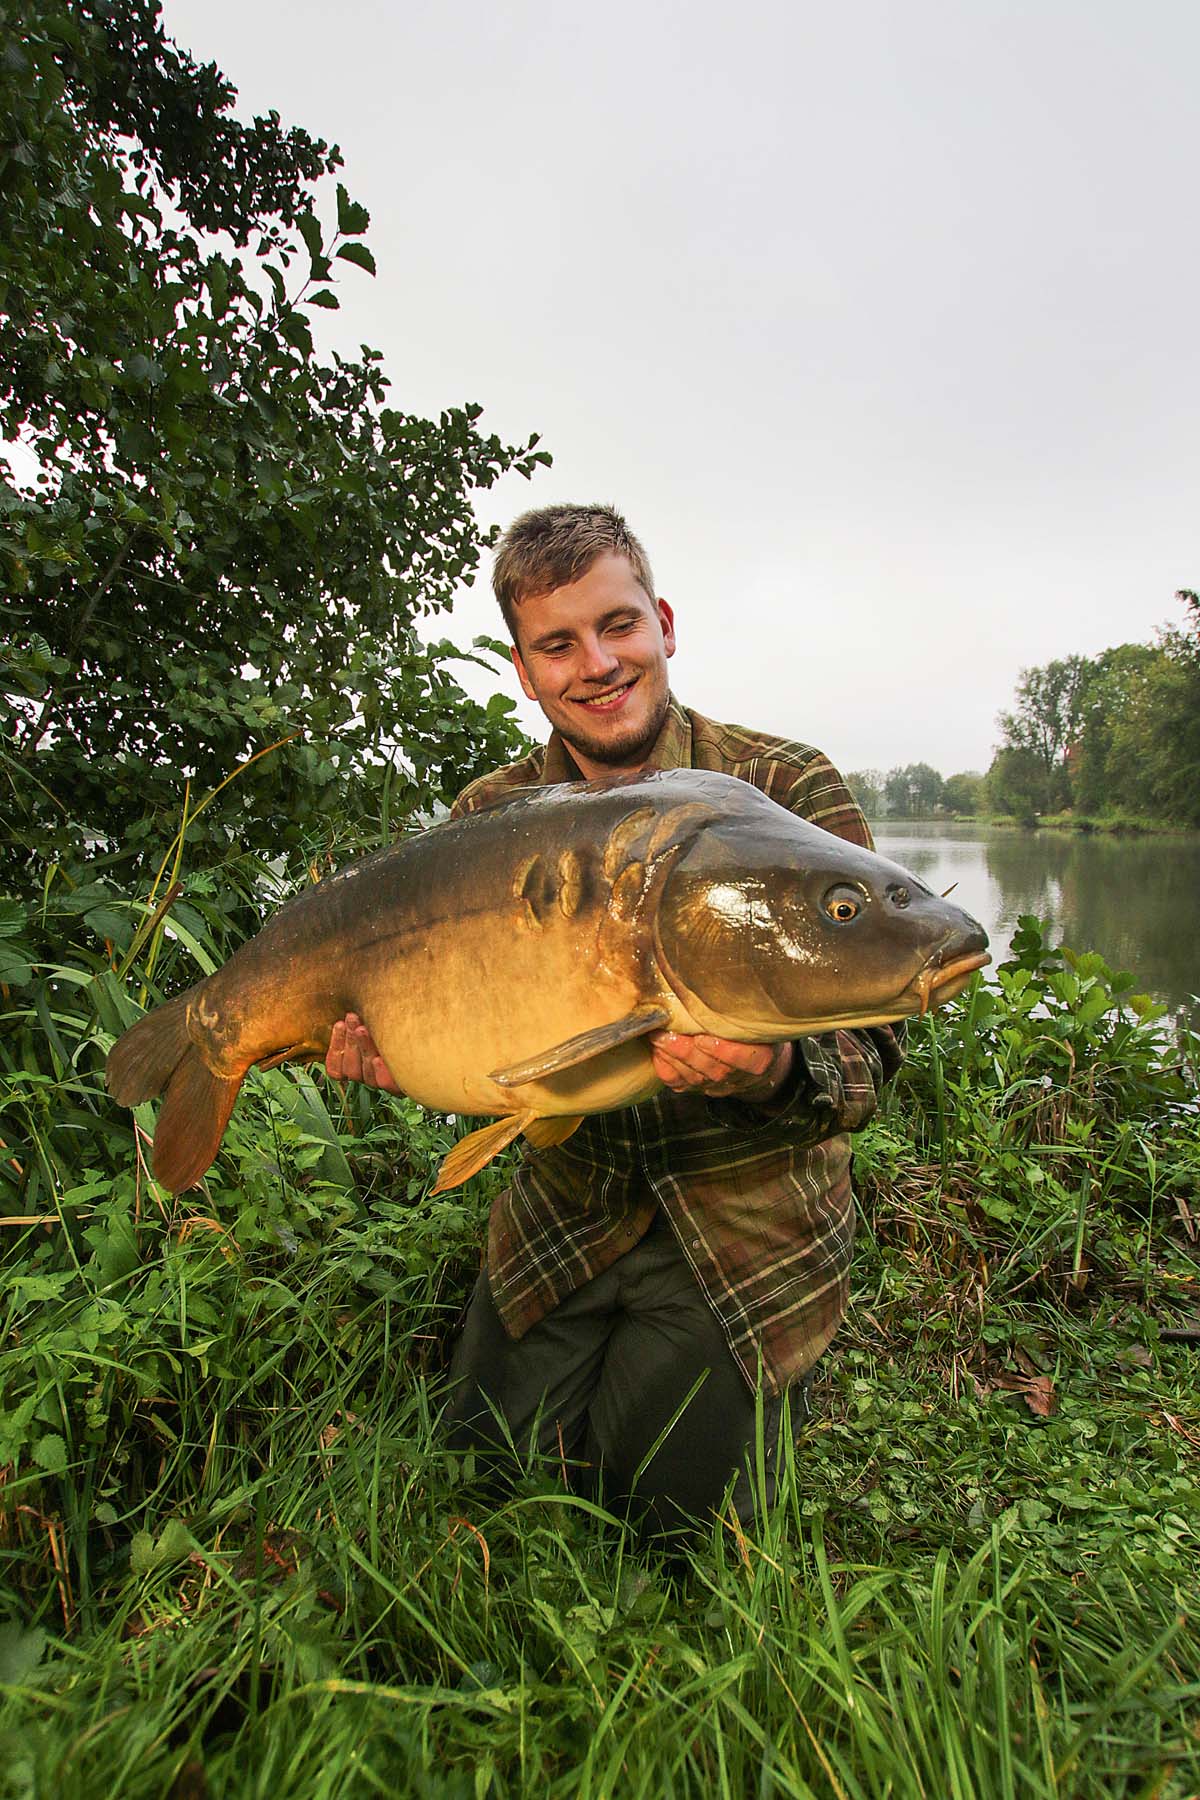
(353,1056)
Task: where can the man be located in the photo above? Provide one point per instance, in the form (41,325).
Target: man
(649,1278)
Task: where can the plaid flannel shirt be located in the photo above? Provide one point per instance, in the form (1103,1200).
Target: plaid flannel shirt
(759,1196)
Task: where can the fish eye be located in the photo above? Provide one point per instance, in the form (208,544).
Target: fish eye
(841,904)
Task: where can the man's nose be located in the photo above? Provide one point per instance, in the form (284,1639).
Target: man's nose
(597,659)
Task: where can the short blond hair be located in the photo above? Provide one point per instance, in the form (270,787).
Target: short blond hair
(553,546)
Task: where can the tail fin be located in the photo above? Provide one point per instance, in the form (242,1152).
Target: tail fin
(157,1053)
(142,1061)
(191,1122)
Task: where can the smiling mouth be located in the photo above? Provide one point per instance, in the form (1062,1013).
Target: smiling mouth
(602,702)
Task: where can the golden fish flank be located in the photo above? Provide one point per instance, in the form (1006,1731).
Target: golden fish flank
(515,962)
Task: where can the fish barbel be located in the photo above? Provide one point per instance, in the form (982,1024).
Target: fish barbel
(514,962)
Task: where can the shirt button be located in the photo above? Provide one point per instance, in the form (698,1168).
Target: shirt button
(695,1243)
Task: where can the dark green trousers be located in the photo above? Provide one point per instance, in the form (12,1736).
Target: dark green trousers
(602,1377)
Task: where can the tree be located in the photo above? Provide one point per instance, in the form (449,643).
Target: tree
(1016,784)
(963,793)
(1044,725)
(1158,732)
(1107,767)
(913,792)
(867,786)
(212,537)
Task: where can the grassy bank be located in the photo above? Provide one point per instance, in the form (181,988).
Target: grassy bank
(237,1560)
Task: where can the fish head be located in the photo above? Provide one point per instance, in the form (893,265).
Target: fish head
(773,928)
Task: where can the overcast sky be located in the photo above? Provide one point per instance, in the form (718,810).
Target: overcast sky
(879,320)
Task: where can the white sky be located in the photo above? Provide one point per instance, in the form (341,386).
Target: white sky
(879,320)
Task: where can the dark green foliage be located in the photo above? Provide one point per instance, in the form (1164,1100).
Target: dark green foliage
(1043,726)
(963,793)
(1057,1110)
(216,537)
(1118,733)
(234,1549)
(914,792)
(1017,784)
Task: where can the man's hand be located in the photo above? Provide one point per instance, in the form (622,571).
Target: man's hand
(353,1056)
(719,1067)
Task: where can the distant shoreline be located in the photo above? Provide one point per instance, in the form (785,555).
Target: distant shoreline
(1116,825)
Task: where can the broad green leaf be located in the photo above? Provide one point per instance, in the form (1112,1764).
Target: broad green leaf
(21,1651)
(50,1453)
(13,917)
(147,1554)
(353,218)
(359,255)
(15,970)
(309,228)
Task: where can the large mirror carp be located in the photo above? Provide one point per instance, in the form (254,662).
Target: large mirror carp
(513,962)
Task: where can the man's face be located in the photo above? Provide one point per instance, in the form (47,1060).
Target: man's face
(594,657)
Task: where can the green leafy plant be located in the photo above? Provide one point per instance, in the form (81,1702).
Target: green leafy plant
(214,536)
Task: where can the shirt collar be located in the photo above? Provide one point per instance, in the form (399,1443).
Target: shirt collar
(672,749)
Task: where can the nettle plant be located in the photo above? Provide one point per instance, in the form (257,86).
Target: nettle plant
(1057,1107)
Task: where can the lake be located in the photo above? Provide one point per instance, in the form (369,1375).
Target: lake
(1134,899)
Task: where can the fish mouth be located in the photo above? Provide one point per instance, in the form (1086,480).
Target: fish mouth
(953,975)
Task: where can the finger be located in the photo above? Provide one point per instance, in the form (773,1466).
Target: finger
(354,1050)
(706,1056)
(383,1079)
(683,1076)
(669,1070)
(752,1059)
(361,1054)
(336,1052)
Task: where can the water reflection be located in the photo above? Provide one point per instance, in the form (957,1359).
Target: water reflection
(1133,899)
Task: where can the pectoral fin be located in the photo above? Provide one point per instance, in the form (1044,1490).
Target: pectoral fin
(580,1049)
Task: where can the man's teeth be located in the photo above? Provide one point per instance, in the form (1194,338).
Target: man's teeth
(604,700)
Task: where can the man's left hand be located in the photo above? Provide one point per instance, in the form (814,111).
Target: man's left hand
(719,1067)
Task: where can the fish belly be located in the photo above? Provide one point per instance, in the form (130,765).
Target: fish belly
(465,1005)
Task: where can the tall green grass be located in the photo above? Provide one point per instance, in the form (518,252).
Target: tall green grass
(236,1557)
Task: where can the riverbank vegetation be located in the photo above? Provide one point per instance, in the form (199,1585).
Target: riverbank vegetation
(1104,743)
(235,1557)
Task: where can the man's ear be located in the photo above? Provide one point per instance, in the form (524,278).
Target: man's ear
(666,619)
(526,685)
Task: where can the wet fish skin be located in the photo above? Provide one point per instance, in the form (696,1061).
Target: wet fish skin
(514,962)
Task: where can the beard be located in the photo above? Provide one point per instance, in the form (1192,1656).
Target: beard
(621,750)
